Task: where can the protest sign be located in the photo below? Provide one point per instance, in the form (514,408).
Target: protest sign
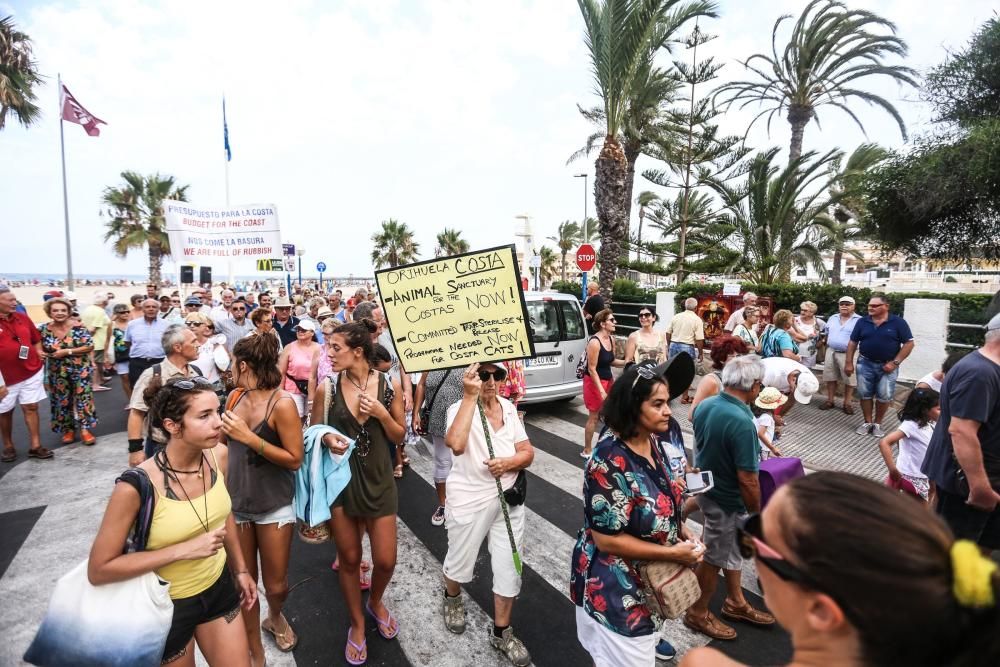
(453,311)
(207,234)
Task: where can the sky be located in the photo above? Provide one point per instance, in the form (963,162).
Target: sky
(344,114)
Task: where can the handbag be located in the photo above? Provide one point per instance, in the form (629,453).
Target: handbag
(670,588)
(122,623)
(518,491)
(319,533)
(301,385)
(581,366)
(425,412)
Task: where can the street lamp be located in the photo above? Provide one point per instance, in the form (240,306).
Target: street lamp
(583,280)
(300,251)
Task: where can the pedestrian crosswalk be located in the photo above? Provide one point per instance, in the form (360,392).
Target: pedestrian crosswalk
(543,614)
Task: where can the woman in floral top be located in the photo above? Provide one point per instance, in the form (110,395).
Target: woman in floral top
(632,513)
(514,386)
(69,375)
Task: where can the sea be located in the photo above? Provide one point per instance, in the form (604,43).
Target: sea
(56,279)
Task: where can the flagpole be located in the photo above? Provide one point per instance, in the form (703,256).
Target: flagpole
(62,154)
(225,153)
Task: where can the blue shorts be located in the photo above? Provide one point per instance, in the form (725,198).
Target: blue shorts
(677,348)
(874,382)
(281,516)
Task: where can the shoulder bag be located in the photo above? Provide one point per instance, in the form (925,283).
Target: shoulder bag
(125,622)
(319,533)
(425,412)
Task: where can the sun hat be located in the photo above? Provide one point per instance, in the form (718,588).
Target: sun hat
(306,325)
(324,312)
(282,302)
(806,387)
(848,299)
(770,399)
(70,296)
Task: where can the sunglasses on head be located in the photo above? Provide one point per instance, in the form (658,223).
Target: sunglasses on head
(191,383)
(499,375)
(644,372)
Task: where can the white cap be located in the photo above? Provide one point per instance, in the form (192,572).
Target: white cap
(306,325)
(848,299)
(806,386)
(69,295)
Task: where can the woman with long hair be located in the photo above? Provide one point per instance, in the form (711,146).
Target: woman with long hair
(192,536)
(262,463)
(862,588)
(597,381)
(70,375)
(366,406)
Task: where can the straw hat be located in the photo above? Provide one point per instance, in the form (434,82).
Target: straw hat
(770,399)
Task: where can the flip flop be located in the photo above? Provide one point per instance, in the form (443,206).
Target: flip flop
(391,632)
(397,472)
(361,650)
(405,459)
(284,644)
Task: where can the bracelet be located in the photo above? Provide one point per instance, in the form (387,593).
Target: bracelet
(261,451)
(135,445)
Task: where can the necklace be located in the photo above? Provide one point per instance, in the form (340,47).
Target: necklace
(165,465)
(204,492)
(359,387)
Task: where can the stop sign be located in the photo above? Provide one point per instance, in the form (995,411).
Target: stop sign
(586,257)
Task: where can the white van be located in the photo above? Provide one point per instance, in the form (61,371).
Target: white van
(560,338)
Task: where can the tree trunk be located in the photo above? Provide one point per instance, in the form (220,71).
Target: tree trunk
(798,117)
(838,256)
(610,194)
(155,262)
(632,152)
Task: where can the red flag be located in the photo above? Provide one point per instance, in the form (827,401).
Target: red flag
(74,112)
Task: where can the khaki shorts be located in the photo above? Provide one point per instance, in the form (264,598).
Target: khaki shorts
(833,368)
(719,535)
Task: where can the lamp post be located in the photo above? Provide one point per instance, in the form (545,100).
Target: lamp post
(300,251)
(583,280)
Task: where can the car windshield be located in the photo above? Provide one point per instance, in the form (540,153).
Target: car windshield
(544,320)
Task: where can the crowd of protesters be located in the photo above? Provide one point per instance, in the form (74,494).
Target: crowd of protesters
(231,401)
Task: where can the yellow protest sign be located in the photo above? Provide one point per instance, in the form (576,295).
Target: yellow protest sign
(452,311)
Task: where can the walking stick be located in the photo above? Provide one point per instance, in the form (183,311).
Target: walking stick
(503,501)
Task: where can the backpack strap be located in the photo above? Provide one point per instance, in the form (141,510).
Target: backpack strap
(139,534)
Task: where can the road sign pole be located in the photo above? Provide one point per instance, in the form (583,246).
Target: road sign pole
(583,296)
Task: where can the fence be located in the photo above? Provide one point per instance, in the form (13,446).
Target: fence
(969,338)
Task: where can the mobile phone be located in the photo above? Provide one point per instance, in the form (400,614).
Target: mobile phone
(699,482)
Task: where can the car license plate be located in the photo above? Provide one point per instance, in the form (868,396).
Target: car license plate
(540,362)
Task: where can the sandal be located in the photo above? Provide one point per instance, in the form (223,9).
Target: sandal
(686,400)
(391,625)
(39,453)
(9,456)
(848,410)
(747,613)
(397,472)
(281,638)
(335,565)
(827,406)
(710,626)
(361,650)
(404,458)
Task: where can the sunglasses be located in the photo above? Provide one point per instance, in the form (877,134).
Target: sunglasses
(844,303)
(239,310)
(645,373)
(189,384)
(192,325)
(611,319)
(499,375)
(645,314)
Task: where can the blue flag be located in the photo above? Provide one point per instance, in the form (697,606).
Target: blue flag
(225,132)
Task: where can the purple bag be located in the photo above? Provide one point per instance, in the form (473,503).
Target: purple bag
(777,471)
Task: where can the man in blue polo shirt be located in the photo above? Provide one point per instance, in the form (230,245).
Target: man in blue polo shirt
(884,341)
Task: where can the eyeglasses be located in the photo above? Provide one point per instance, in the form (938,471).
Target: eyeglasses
(641,315)
(877,305)
(191,383)
(845,303)
(499,375)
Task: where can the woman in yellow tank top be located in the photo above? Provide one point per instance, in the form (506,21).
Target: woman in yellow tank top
(192,532)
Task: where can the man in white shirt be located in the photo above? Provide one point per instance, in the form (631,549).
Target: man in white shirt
(838,338)
(790,378)
(736,319)
(221,312)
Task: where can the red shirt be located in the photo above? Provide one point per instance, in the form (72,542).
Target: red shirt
(15,331)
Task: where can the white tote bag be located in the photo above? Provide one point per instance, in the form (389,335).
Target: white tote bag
(123,623)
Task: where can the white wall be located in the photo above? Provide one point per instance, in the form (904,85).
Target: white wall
(665,308)
(928,320)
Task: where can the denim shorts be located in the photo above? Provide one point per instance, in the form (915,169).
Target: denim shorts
(281,516)
(874,382)
(677,348)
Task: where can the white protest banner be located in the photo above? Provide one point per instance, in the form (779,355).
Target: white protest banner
(453,311)
(205,234)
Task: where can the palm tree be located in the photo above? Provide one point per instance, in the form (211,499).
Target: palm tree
(394,245)
(450,242)
(590,232)
(621,36)
(830,49)
(757,214)
(645,199)
(547,270)
(852,211)
(18,75)
(135,209)
(566,239)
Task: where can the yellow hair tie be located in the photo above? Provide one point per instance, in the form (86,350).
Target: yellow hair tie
(973,575)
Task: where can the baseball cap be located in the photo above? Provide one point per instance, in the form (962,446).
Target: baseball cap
(69,295)
(306,325)
(192,301)
(994,323)
(848,299)
(806,387)
(120,308)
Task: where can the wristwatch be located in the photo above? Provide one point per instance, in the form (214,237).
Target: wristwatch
(896,362)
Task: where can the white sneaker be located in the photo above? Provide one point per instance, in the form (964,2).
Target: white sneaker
(876,431)
(864,429)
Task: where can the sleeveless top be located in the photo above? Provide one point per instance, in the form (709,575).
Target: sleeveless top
(174,522)
(652,352)
(604,359)
(372,490)
(299,365)
(256,485)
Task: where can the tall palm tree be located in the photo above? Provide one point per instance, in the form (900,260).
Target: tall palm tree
(565,239)
(450,242)
(851,212)
(393,245)
(621,36)
(135,209)
(830,49)
(18,75)
(590,232)
(547,270)
(757,211)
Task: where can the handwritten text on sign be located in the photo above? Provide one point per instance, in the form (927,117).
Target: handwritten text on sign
(450,312)
(202,233)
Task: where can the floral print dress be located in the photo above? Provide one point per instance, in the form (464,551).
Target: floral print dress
(514,386)
(70,380)
(622,493)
